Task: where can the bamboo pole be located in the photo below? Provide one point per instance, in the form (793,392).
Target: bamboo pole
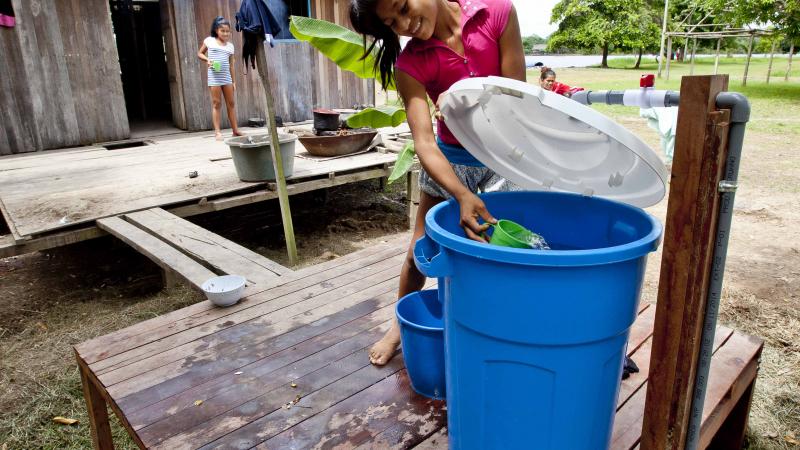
(747,64)
(277,160)
(771,56)
(716,59)
(691,61)
(669,55)
(789,67)
(663,35)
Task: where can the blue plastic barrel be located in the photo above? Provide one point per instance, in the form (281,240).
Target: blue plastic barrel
(534,339)
(422,335)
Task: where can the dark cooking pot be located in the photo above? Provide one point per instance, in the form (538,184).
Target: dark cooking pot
(325,119)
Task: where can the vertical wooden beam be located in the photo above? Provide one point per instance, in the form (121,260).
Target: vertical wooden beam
(277,160)
(716,59)
(686,263)
(412,192)
(730,435)
(789,66)
(669,55)
(771,56)
(749,55)
(98,412)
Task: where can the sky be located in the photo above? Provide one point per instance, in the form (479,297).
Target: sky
(534,16)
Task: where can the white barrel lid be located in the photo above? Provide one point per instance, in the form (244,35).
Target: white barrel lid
(539,140)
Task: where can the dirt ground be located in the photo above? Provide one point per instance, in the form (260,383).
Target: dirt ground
(52,300)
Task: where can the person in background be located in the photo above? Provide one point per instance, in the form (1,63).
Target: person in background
(451,40)
(218,53)
(547,80)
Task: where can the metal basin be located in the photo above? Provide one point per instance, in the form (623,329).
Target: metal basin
(353,142)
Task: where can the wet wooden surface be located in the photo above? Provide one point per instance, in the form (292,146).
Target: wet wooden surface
(288,368)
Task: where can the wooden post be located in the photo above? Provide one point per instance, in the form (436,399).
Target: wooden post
(771,56)
(690,230)
(747,63)
(277,160)
(716,59)
(669,55)
(789,66)
(694,49)
(412,191)
(98,413)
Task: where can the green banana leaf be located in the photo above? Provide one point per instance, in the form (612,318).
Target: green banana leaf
(342,45)
(404,162)
(380,116)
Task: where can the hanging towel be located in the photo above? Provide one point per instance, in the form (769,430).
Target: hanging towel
(7,18)
(665,121)
(258,24)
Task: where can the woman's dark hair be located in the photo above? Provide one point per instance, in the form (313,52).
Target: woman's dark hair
(366,21)
(547,72)
(218,22)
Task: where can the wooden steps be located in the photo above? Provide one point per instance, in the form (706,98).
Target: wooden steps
(188,251)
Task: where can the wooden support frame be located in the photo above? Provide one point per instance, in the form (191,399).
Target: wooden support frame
(698,167)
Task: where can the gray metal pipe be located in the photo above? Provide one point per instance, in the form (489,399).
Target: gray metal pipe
(740,114)
(670,98)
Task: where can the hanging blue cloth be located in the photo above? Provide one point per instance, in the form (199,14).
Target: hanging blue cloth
(256,21)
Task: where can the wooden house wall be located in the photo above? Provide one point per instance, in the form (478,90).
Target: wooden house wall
(61,84)
(301,77)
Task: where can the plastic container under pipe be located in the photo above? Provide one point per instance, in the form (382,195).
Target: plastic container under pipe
(535,339)
(252,156)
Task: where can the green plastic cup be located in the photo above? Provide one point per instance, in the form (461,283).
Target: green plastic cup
(511,234)
(216,66)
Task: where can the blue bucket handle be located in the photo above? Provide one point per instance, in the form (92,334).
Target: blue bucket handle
(430,259)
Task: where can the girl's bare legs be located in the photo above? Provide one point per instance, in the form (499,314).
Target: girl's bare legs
(230,104)
(410,280)
(216,109)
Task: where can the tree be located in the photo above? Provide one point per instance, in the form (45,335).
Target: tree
(603,24)
(529,41)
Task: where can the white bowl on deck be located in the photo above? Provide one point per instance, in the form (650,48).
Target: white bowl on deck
(224,290)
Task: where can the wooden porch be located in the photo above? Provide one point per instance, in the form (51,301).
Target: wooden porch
(287,367)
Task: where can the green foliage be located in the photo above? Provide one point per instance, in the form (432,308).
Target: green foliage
(343,46)
(404,162)
(529,41)
(378,117)
(605,24)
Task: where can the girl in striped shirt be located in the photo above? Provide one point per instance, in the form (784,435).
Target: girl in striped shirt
(217,51)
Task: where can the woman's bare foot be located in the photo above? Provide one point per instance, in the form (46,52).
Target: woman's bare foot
(237,133)
(383,350)
(218,136)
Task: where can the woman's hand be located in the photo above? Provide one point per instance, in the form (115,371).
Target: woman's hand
(472,208)
(209,63)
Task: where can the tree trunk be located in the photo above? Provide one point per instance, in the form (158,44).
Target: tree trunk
(639,60)
(789,67)
(604,64)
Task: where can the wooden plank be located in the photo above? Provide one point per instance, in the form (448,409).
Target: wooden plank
(196,101)
(736,369)
(150,360)
(700,152)
(13,248)
(629,420)
(169,30)
(212,249)
(297,353)
(269,194)
(390,409)
(119,341)
(243,429)
(159,252)
(437,440)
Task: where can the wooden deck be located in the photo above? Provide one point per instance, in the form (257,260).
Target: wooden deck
(287,368)
(58,195)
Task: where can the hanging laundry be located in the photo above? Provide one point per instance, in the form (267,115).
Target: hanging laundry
(258,24)
(7,18)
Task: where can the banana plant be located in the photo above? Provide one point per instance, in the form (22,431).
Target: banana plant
(345,48)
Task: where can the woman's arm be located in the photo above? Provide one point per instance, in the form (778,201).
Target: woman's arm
(512,56)
(434,161)
(202,54)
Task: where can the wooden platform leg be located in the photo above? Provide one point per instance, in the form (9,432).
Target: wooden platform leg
(169,279)
(730,435)
(98,414)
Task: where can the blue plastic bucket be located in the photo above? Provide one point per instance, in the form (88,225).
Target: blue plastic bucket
(535,339)
(422,335)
